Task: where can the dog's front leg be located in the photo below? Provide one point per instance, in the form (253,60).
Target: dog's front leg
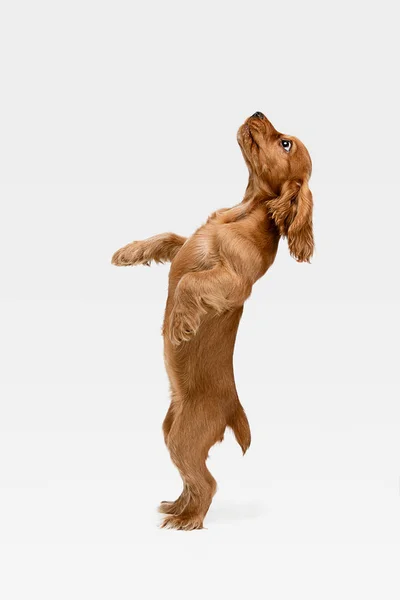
(159,248)
(218,289)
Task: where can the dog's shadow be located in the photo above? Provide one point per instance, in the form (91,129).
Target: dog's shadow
(226,512)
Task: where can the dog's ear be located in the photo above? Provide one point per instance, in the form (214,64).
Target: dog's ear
(292,212)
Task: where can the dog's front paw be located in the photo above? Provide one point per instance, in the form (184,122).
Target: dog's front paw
(131,254)
(183,325)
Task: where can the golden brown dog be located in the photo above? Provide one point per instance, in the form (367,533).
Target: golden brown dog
(212,274)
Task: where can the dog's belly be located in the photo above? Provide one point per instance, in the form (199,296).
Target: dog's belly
(204,364)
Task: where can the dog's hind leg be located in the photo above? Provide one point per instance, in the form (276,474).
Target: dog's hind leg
(195,429)
(177,506)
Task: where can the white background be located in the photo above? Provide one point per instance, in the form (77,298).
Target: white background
(118,121)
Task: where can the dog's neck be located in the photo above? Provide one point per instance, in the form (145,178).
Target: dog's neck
(255,197)
(257,192)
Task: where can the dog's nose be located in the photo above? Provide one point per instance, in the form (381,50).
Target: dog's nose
(258,115)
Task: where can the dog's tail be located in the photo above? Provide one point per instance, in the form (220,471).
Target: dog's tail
(240,426)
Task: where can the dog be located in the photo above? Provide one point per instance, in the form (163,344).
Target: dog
(212,274)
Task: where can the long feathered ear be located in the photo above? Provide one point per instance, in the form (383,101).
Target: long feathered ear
(292,212)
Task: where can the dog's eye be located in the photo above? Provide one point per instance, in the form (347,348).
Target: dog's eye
(286,145)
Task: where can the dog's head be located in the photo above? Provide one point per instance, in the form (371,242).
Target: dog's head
(280,168)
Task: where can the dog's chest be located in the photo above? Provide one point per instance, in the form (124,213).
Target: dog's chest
(198,253)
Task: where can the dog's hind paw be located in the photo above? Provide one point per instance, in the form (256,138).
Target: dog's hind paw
(183,523)
(169,508)
(173,508)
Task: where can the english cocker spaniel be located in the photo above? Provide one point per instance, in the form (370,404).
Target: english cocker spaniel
(212,274)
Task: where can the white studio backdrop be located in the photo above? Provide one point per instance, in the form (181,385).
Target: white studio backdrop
(118,121)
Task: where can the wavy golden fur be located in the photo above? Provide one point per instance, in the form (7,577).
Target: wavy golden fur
(212,274)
